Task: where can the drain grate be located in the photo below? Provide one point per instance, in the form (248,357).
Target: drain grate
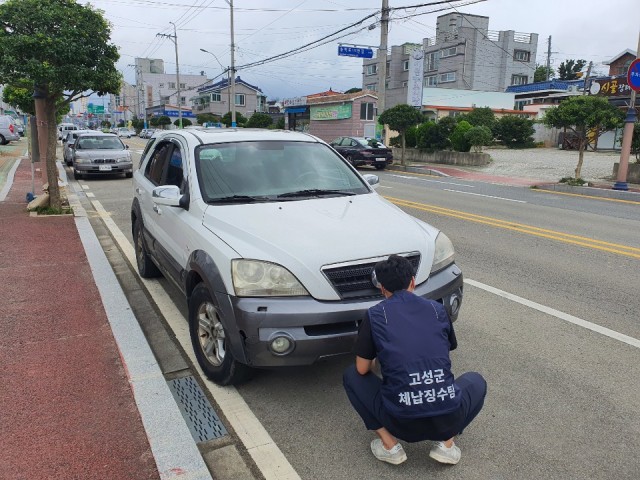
(201,418)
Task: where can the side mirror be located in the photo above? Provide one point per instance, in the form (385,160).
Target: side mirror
(127,147)
(168,195)
(372,180)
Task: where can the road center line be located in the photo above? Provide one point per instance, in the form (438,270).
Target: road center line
(259,444)
(481,195)
(634,342)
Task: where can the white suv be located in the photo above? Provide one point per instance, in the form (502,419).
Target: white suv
(272,236)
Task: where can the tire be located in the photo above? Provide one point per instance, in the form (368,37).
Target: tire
(210,341)
(128,174)
(349,159)
(146,267)
(3,141)
(77,175)
(381,167)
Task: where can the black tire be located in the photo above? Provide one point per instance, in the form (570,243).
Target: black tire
(3,141)
(381,167)
(208,333)
(128,174)
(349,159)
(146,267)
(77,175)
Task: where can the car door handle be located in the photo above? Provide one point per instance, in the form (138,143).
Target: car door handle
(157,209)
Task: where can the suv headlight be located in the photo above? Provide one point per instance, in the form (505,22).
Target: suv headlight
(254,278)
(443,255)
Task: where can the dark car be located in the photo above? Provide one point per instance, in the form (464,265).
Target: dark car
(363,151)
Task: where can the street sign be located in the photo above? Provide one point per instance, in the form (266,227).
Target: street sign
(359,52)
(633,75)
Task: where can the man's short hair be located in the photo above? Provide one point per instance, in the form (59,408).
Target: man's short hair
(394,273)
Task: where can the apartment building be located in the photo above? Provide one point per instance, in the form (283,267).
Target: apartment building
(215,98)
(464,54)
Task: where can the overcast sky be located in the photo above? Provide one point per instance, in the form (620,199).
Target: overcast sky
(589,29)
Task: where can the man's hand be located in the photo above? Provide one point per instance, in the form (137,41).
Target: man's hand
(363,366)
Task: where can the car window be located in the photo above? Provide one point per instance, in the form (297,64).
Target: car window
(157,162)
(175,175)
(269,169)
(100,143)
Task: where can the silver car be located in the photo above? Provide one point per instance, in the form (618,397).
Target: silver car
(100,153)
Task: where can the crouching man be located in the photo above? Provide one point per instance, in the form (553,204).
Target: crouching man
(417,398)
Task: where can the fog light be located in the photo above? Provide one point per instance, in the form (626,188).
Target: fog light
(280,345)
(454,304)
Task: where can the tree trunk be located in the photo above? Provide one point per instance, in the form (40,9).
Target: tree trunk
(402,154)
(581,145)
(52,143)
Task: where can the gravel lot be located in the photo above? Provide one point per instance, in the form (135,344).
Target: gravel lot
(550,164)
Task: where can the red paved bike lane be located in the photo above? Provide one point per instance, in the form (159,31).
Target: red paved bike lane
(66,407)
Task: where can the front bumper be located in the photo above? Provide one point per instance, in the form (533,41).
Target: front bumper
(116,168)
(320,329)
(372,161)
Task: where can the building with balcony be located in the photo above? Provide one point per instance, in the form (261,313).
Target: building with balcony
(216,98)
(463,55)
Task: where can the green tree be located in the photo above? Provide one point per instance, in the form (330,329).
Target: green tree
(163,121)
(514,132)
(458,139)
(203,118)
(587,117)
(20,96)
(540,74)
(105,124)
(259,120)
(479,117)
(120,123)
(153,121)
(240,119)
(185,122)
(570,69)
(635,141)
(62,48)
(479,137)
(400,118)
(354,90)
(280,123)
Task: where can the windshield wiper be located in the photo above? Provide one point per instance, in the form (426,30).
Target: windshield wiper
(238,199)
(314,192)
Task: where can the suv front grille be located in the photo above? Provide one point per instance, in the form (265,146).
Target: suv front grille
(354,281)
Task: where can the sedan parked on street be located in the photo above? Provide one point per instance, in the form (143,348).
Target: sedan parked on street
(101,153)
(363,151)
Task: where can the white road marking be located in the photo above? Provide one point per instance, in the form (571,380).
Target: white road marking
(85,187)
(433,181)
(621,337)
(383,186)
(488,196)
(91,195)
(264,451)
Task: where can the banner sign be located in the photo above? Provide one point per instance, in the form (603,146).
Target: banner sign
(358,52)
(292,102)
(610,87)
(416,78)
(335,112)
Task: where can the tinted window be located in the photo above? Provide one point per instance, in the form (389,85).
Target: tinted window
(99,143)
(174,170)
(156,164)
(268,169)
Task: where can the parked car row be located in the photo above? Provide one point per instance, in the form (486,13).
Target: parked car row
(91,152)
(146,133)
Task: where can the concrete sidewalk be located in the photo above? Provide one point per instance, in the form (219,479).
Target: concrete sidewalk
(82,395)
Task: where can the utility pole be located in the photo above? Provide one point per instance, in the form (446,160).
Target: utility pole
(139,88)
(548,59)
(586,79)
(174,39)
(233,71)
(627,135)
(228,69)
(382,61)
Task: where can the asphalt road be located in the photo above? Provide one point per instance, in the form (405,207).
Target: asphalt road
(563,399)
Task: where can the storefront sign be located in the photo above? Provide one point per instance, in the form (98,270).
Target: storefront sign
(292,102)
(335,112)
(610,87)
(416,74)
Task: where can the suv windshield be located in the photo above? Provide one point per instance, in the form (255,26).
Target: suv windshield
(100,143)
(273,171)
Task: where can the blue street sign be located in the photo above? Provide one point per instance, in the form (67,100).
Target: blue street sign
(633,75)
(359,52)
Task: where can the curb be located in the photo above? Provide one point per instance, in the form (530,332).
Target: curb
(590,191)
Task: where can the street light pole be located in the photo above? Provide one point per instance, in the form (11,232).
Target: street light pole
(174,39)
(223,70)
(233,71)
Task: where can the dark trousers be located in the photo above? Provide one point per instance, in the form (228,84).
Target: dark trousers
(364,393)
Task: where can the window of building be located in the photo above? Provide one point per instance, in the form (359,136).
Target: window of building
(388,67)
(455,114)
(172,84)
(215,97)
(161,85)
(165,99)
(431,81)
(404,84)
(447,77)
(521,55)
(405,65)
(240,99)
(622,70)
(372,86)
(372,69)
(448,52)
(183,100)
(367,111)
(519,79)
(431,62)
(183,85)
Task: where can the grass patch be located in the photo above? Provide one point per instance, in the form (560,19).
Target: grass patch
(574,182)
(53,211)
